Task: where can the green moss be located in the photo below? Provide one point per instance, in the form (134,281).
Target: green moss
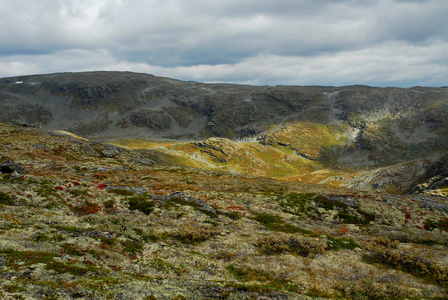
(275,223)
(338,243)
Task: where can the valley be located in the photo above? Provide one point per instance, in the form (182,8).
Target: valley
(118,185)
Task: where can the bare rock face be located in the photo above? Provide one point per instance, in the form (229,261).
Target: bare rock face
(434,181)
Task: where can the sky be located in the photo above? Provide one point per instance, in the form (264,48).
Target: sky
(401,43)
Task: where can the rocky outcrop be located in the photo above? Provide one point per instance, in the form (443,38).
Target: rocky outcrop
(394,179)
(434,181)
(219,149)
(11,167)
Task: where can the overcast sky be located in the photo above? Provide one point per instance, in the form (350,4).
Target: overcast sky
(262,42)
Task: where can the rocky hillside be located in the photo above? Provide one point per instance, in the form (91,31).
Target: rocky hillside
(353,126)
(87,220)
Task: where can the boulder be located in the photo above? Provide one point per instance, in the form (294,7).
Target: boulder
(9,166)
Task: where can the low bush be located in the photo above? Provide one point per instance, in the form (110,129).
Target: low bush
(288,243)
(275,223)
(442,224)
(310,203)
(411,263)
(366,289)
(338,243)
(122,192)
(6,199)
(132,247)
(141,203)
(193,233)
(86,208)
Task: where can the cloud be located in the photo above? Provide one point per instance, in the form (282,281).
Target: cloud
(376,42)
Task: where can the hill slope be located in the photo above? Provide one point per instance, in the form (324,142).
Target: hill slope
(82,219)
(380,126)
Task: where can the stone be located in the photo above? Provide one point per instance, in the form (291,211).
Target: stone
(202,205)
(9,167)
(110,153)
(15,175)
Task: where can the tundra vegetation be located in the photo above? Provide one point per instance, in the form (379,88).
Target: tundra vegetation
(95,221)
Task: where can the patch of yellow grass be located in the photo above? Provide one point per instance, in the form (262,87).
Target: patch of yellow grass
(70,134)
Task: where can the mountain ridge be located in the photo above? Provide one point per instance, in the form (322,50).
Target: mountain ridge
(356,127)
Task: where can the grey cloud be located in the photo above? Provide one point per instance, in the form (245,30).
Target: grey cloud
(220,37)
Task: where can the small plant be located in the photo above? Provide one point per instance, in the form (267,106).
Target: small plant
(78,192)
(193,233)
(121,192)
(366,289)
(86,208)
(289,243)
(41,237)
(233,215)
(275,223)
(297,203)
(442,224)
(109,204)
(248,274)
(338,243)
(411,263)
(6,199)
(141,203)
(133,247)
(311,203)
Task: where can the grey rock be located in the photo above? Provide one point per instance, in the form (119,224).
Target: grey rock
(110,153)
(136,190)
(10,167)
(202,205)
(15,175)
